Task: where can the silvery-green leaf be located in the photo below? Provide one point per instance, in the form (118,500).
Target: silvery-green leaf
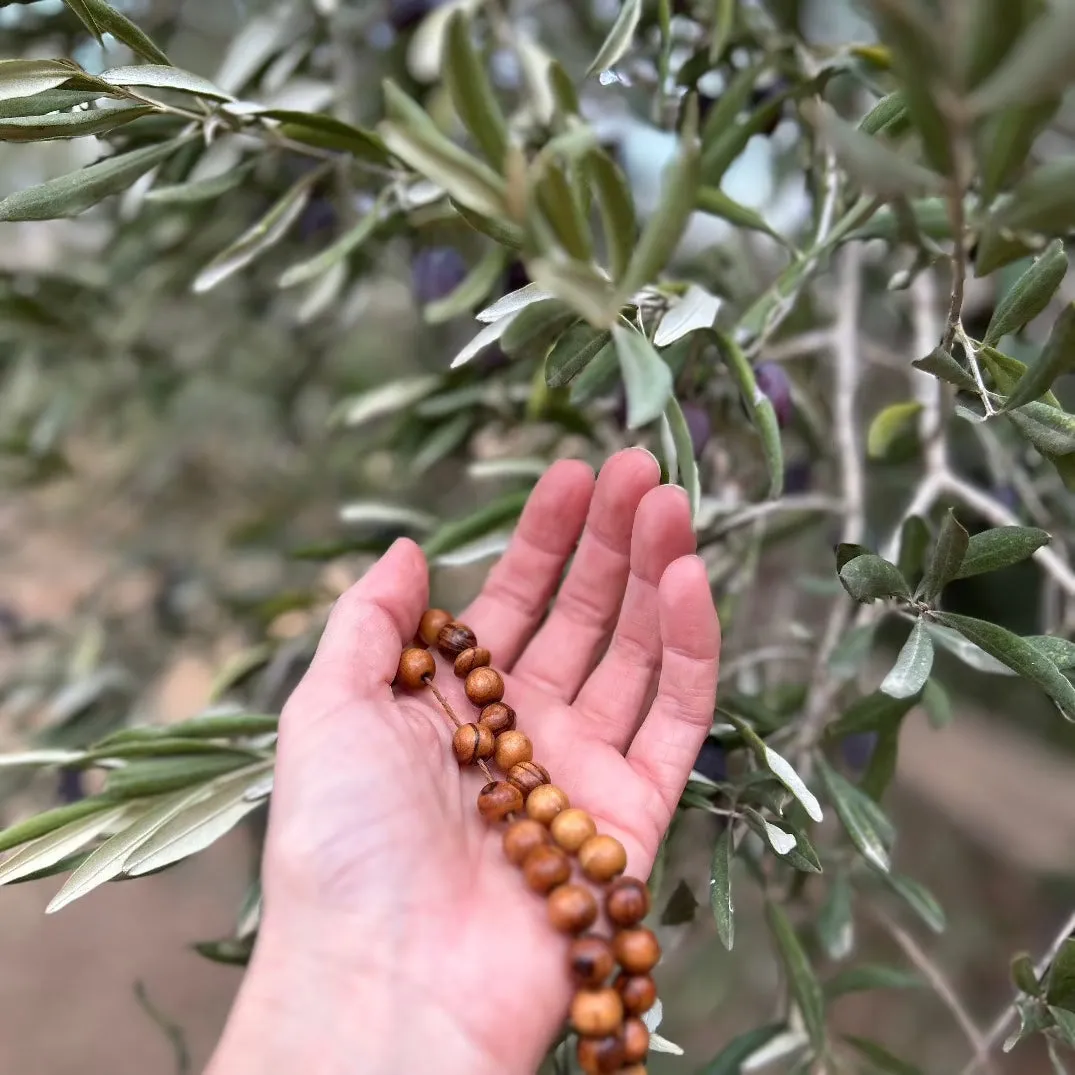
(47,850)
(714,201)
(868,577)
(1061,651)
(382,513)
(941,364)
(889,426)
(835,922)
(507,468)
(686,464)
(488,335)
(657,1044)
(800,975)
(909,674)
(39,757)
(742,1048)
(879,1057)
(328,132)
(646,376)
(785,773)
(919,899)
(1000,547)
(479,524)
(573,352)
(944,564)
(337,251)
(1037,66)
(385,399)
(859,815)
(68,195)
(619,37)
(1018,654)
(100,19)
(107,861)
(513,302)
(258,238)
(581,285)
(970,654)
(475,551)
(25,78)
(40,104)
(1050,430)
(201,190)
(871,976)
(653,1017)
(1029,295)
(695,310)
(1057,358)
(889,112)
(70,124)
(720,888)
(425,51)
(471,91)
(617,211)
(158,76)
(196,826)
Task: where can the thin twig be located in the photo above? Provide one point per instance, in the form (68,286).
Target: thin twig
(941,986)
(752,513)
(853,485)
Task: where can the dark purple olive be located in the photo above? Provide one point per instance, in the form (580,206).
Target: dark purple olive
(712,761)
(318,218)
(699,425)
(516,276)
(69,787)
(403,14)
(857,749)
(619,411)
(490,360)
(797,476)
(436,271)
(762,95)
(773,381)
(1007,496)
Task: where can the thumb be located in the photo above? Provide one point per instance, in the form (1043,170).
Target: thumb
(371,623)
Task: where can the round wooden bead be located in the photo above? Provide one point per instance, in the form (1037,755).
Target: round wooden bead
(591,960)
(545,802)
(626,901)
(499,716)
(545,868)
(572,908)
(513,748)
(637,950)
(637,991)
(635,1040)
(429,626)
(453,638)
(527,776)
(498,799)
(602,858)
(471,742)
(484,686)
(599,1056)
(596,1013)
(634,1069)
(523,836)
(572,828)
(415,664)
(469,659)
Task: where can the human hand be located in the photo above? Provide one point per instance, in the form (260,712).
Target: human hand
(395,937)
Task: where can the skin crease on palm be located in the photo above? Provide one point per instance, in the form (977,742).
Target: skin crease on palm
(396,938)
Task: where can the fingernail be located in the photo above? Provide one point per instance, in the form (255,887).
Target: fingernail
(642,448)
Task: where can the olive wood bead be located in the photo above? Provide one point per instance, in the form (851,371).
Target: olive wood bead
(600,1056)
(527,776)
(545,802)
(597,1013)
(602,858)
(634,1069)
(471,742)
(635,1040)
(498,799)
(415,665)
(469,659)
(523,836)
(572,908)
(572,828)
(513,748)
(499,716)
(453,638)
(590,960)
(484,686)
(637,950)
(545,868)
(626,901)
(637,991)
(429,626)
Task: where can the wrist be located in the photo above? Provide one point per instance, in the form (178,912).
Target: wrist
(306,1009)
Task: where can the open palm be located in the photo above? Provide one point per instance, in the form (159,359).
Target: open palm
(377,861)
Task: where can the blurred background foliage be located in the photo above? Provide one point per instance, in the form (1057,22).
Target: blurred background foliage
(247,249)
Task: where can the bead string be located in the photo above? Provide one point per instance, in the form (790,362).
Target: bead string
(543,834)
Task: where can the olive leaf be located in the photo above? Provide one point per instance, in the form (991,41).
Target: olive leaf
(946,560)
(720,888)
(1057,357)
(471,91)
(915,661)
(101,18)
(573,352)
(868,577)
(1029,295)
(801,978)
(70,124)
(619,37)
(646,376)
(26,78)
(162,77)
(1000,547)
(869,829)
